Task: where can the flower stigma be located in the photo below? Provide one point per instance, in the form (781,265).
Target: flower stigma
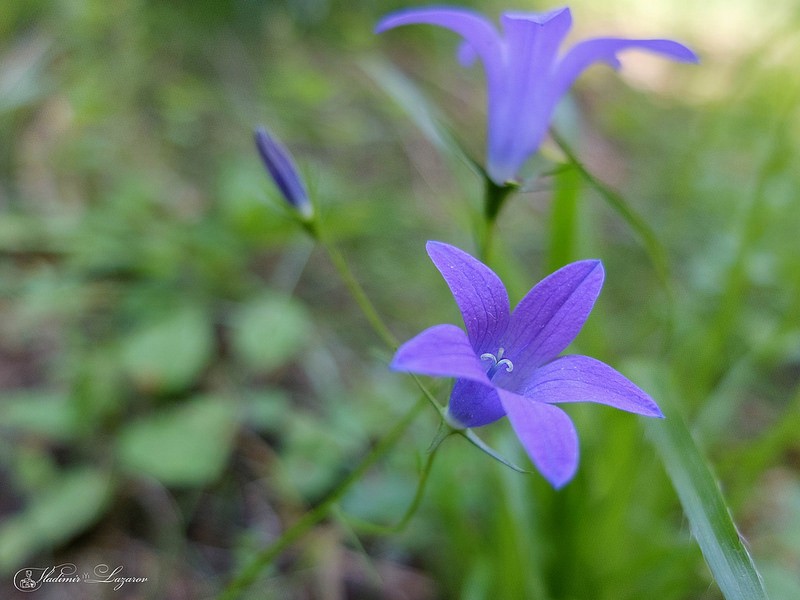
(497,362)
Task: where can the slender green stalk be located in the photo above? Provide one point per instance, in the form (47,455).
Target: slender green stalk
(247,576)
(494,198)
(485,236)
(251,572)
(654,248)
(361,298)
(648,236)
(374,528)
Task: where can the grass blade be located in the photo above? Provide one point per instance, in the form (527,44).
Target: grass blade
(655,250)
(700,496)
(424,115)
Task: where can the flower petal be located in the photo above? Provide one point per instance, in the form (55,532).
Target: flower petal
(549,317)
(547,434)
(478,292)
(583,379)
(474,404)
(583,54)
(440,351)
(481,39)
(476,29)
(518,117)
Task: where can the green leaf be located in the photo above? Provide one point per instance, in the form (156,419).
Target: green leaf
(184,445)
(169,354)
(40,412)
(699,494)
(269,331)
(473,439)
(64,508)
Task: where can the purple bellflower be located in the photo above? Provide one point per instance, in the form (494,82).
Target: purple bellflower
(283,171)
(525,73)
(507,364)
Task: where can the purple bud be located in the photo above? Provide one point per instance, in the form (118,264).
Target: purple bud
(283,171)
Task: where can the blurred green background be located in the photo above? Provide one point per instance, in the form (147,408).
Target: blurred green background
(182,374)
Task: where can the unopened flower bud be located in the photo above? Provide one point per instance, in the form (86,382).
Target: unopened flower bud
(283,171)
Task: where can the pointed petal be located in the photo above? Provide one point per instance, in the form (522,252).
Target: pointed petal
(550,316)
(440,351)
(478,292)
(518,119)
(481,39)
(547,434)
(476,29)
(583,379)
(474,404)
(583,54)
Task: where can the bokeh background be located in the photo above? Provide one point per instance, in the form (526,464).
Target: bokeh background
(182,375)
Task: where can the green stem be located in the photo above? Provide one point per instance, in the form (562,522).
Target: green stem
(485,239)
(249,574)
(494,197)
(375,529)
(656,252)
(361,298)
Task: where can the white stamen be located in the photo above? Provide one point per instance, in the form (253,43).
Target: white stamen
(497,362)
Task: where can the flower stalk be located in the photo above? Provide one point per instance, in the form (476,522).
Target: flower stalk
(494,198)
(262,560)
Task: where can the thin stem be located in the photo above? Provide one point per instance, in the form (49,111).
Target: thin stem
(359,295)
(375,529)
(249,574)
(494,197)
(656,252)
(485,239)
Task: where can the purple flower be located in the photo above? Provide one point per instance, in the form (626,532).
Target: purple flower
(281,167)
(506,363)
(525,73)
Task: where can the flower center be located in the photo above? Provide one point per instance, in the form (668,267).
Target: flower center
(497,362)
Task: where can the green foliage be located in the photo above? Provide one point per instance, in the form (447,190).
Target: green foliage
(169,354)
(268,332)
(702,500)
(62,508)
(187,445)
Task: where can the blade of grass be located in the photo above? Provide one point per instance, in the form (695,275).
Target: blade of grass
(408,97)
(700,495)
(564,217)
(655,250)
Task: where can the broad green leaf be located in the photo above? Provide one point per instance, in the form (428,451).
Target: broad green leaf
(699,494)
(65,508)
(187,444)
(267,410)
(269,331)
(169,354)
(40,412)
